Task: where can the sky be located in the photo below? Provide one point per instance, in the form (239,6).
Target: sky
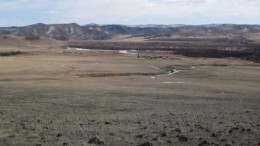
(131,12)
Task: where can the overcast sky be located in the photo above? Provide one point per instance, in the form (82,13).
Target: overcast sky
(25,12)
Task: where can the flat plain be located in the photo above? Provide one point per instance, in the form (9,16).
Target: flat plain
(51,95)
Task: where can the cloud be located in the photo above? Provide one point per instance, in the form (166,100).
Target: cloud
(130,11)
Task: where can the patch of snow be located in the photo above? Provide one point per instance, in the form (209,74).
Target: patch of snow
(51,28)
(79,49)
(70,48)
(173,82)
(71,30)
(125,52)
(98,29)
(152,77)
(174,72)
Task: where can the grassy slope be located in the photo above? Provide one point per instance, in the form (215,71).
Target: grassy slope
(42,95)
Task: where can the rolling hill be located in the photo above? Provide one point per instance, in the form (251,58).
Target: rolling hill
(75,31)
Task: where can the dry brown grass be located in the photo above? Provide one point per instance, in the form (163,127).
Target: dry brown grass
(254,37)
(119,96)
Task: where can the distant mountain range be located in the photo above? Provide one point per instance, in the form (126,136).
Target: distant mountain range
(75,31)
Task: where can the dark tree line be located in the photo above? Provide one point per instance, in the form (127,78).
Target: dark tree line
(248,54)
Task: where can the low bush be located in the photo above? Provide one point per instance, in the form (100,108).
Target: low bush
(10,53)
(32,37)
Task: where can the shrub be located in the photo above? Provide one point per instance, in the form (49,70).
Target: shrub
(32,37)
(10,53)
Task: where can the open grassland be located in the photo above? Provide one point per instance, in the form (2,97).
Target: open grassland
(58,96)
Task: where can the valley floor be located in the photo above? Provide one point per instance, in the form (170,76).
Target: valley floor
(70,97)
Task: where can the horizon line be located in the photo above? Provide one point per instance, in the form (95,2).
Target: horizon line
(131,24)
